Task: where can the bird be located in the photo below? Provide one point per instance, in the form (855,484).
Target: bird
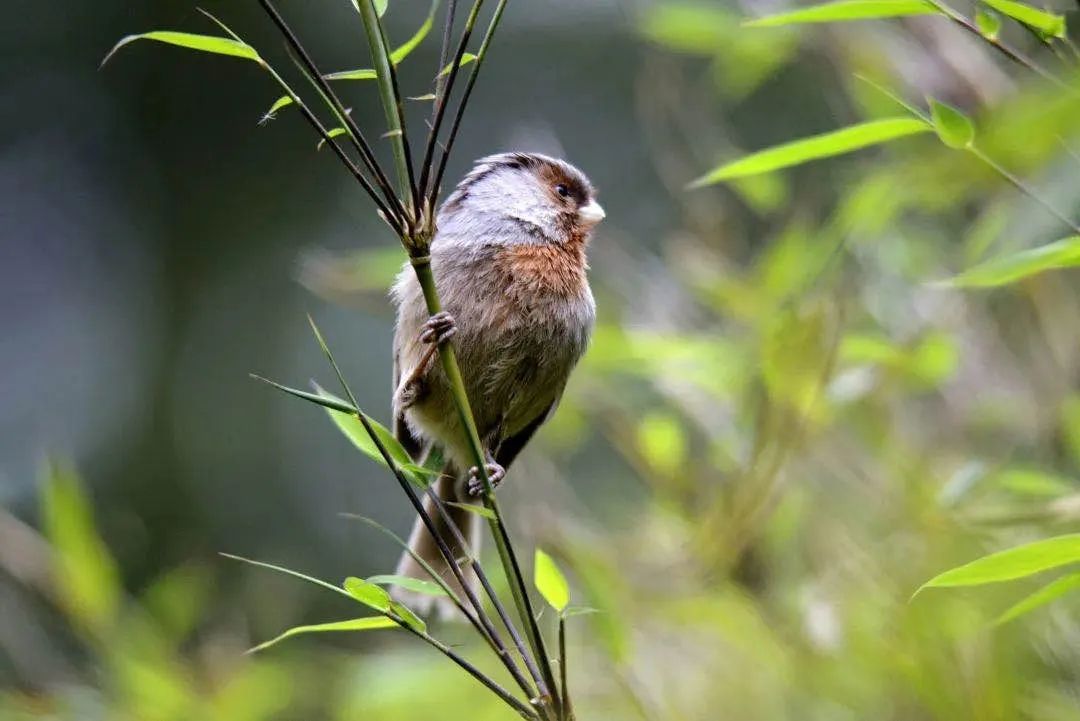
(509,260)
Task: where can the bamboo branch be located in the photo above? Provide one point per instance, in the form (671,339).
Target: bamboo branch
(331,99)
(465,98)
(386,77)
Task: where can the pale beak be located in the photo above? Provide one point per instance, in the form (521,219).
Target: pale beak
(591,213)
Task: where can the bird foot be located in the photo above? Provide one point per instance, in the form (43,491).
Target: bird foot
(438,329)
(475,484)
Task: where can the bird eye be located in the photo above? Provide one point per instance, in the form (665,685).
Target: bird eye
(562,190)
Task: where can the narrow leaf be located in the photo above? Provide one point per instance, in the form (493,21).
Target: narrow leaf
(952,126)
(550,581)
(327,401)
(406,614)
(332,133)
(367,593)
(815,147)
(476,508)
(289,572)
(204,43)
(397,55)
(280,103)
(348,422)
(409,583)
(360,74)
(405,547)
(1050,592)
(355,624)
(1008,269)
(380,6)
(1010,564)
(846,10)
(466,58)
(403,50)
(988,23)
(1049,25)
(572,611)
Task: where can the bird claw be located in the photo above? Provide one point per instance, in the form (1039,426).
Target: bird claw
(475,484)
(438,329)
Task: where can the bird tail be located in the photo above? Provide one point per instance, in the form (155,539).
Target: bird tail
(422,544)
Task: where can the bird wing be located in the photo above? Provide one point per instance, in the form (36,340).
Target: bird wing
(512,445)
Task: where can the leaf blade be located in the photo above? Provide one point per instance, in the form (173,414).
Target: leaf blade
(550,581)
(191,41)
(416,585)
(1045,23)
(815,147)
(846,10)
(368,623)
(953,127)
(1004,270)
(1050,592)
(1011,564)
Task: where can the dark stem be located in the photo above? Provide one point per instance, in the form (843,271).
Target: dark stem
(515,579)
(567,711)
(444,56)
(328,93)
(495,601)
(1001,47)
(441,103)
(488,630)
(524,710)
(465,99)
(391,218)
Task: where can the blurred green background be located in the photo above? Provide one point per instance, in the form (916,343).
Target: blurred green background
(782,429)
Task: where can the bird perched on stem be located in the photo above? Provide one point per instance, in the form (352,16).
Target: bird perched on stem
(509,262)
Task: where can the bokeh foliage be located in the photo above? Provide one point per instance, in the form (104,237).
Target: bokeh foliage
(819,388)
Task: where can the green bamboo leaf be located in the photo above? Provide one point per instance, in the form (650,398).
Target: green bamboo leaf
(380,6)
(348,422)
(988,23)
(1011,564)
(356,624)
(466,58)
(289,572)
(476,508)
(367,593)
(397,55)
(86,575)
(550,581)
(1050,592)
(1008,269)
(280,103)
(359,74)
(1048,25)
(326,401)
(845,10)
(332,133)
(204,43)
(409,583)
(815,147)
(952,126)
(406,614)
(572,611)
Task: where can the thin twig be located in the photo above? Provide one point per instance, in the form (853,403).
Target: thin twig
(1023,188)
(331,99)
(386,78)
(488,630)
(1014,55)
(442,102)
(390,217)
(465,99)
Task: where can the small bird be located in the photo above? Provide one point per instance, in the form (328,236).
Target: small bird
(509,262)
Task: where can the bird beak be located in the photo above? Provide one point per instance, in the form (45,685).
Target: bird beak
(591,213)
